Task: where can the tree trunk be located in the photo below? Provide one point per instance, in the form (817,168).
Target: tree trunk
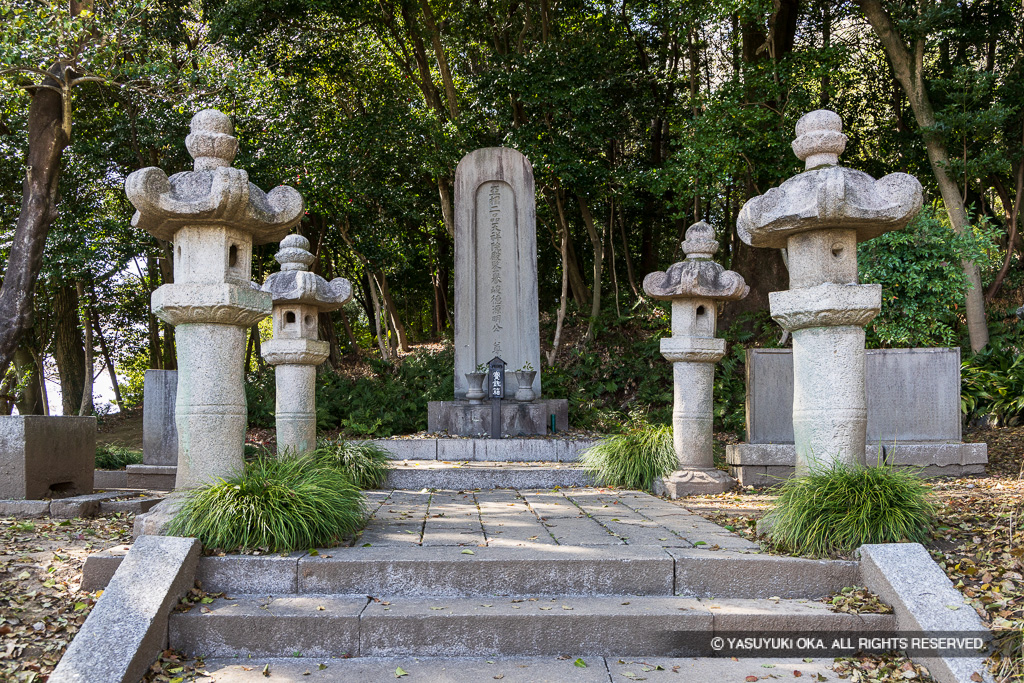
(909,71)
(68,348)
(30,401)
(396,323)
(86,406)
(563,301)
(580,292)
(598,245)
(764,271)
(49,132)
(108,359)
(41,374)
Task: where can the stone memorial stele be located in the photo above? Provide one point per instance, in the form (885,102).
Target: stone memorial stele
(159,435)
(295,351)
(214,216)
(496,310)
(695,287)
(818,217)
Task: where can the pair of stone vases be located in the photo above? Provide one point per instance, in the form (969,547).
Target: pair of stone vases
(817,218)
(214,216)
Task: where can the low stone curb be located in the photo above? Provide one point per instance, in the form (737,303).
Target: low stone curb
(413,476)
(127,628)
(923,599)
(76,506)
(704,573)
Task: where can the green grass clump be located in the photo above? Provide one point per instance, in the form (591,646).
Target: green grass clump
(111,457)
(633,459)
(364,463)
(274,504)
(841,507)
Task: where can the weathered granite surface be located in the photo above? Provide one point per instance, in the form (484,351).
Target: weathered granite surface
(819,216)
(695,287)
(127,628)
(214,216)
(496,310)
(299,298)
(159,435)
(41,455)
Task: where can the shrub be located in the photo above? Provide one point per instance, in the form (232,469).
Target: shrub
(364,463)
(633,459)
(842,507)
(112,457)
(277,505)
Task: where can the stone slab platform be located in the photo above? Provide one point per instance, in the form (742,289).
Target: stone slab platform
(757,464)
(436,474)
(507,542)
(89,505)
(469,418)
(486,450)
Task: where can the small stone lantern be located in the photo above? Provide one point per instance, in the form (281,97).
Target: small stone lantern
(695,287)
(214,216)
(299,298)
(818,217)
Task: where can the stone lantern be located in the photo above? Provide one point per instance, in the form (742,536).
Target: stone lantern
(818,217)
(214,216)
(299,298)
(695,287)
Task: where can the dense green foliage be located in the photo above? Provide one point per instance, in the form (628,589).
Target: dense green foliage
(922,282)
(638,119)
(364,463)
(633,459)
(274,505)
(111,457)
(840,508)
(992,382)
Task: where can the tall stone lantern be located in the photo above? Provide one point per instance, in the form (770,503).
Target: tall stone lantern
(818,217)
(695,287)
(214,216)
(299,297)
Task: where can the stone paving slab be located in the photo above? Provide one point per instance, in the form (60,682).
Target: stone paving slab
(673,670)
(434,669)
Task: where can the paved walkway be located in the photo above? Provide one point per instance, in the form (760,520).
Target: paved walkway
(514,518)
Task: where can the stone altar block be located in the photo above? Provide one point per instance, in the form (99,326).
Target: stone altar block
(913,414)
(464,418)
(46,455)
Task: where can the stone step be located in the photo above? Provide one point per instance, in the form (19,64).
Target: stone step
(335,625)
(468,475)
(550,669)
(453,571)
(550,449)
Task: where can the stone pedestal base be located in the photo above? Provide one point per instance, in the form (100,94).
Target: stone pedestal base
(464,418)
(158,477)
(43,456)
(693,482)
(762,464)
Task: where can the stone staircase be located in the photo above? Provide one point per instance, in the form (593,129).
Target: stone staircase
(578,573)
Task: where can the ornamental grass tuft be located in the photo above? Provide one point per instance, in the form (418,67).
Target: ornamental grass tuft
(841,507)
(274,504)
(365,463)
(633,459)
(111,457)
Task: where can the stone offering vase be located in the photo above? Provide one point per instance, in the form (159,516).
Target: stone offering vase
(475,390)
(524,378)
